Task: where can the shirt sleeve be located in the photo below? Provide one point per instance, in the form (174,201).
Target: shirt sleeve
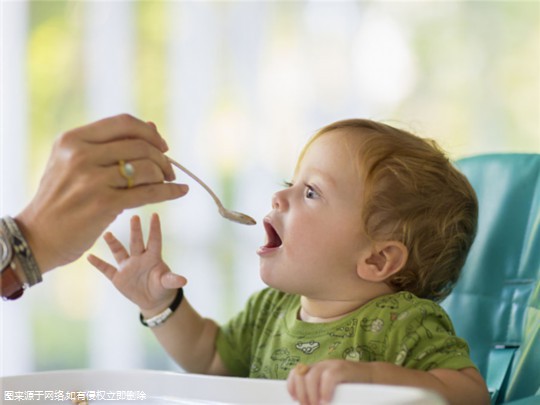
(423,338)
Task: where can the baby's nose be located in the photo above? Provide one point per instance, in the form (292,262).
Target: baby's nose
(275,202)
(278,200)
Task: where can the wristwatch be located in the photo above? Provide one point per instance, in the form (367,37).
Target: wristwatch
(12,286)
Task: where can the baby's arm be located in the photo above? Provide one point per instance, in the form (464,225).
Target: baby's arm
(317,385)
(190,340)
(146,280)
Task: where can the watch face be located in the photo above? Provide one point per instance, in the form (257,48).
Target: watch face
(5,252)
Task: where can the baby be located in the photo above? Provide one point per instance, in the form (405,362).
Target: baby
(371,232)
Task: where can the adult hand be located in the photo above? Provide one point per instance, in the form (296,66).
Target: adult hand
(315,384)
(82,190)
(142,276)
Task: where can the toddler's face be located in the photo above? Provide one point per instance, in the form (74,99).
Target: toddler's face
(314,237)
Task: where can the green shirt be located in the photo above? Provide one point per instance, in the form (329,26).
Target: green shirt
(266,339)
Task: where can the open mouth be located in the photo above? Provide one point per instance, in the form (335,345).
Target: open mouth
(272,238)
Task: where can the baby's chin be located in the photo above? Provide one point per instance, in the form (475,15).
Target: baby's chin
(269,278)
(266,275)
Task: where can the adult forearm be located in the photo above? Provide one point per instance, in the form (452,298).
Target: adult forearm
(188,338)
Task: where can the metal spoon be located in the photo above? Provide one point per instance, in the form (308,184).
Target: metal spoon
(225,213)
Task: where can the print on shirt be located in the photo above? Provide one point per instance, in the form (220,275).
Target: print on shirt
(345,331)
(308,347)
(267,341)
(372,325)
(359,353)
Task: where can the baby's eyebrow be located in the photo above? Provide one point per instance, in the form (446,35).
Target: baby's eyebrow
(325,177)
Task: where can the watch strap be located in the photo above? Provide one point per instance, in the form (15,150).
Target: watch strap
(12,288)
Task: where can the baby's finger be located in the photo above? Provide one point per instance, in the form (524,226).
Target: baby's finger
(136,243)
(107,269)
(328,383)
(312,387)
(301,392)
(117,249)
(297,387)
(173,281)
(154,235)
(291,387)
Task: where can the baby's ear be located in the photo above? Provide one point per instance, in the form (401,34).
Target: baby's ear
(385,260)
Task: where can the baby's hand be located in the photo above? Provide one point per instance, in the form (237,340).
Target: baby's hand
(315,384)
(142,275)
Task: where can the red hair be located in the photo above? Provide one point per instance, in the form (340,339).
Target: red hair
(413,194)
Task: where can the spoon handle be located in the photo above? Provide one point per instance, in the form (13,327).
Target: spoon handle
(198,180)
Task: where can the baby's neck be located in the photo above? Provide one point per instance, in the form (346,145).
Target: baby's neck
(322,311)
(316,310)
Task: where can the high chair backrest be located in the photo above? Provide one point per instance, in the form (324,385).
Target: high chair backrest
(496,303)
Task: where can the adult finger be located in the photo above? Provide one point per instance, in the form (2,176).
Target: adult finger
(107,269)
(129,150)
(148,194)
(144,172)
(118,127)
(136,243)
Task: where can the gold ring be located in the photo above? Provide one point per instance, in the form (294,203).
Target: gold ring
(301,369)
(127,171)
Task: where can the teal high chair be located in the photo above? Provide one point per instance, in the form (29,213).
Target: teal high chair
(496,303)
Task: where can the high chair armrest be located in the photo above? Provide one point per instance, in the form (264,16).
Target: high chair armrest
(532,400)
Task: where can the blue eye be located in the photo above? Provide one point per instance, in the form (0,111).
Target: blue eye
(311,193)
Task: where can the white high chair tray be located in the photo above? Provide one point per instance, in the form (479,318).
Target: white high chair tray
(132,387)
